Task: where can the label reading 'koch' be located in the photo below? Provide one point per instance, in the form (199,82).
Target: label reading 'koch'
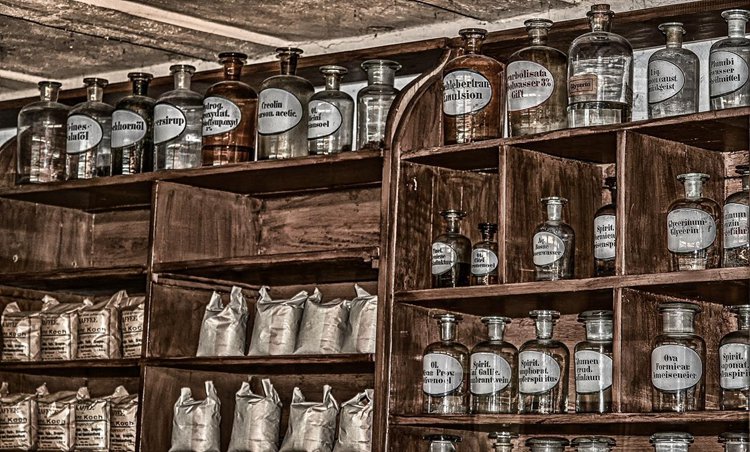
(325,119)
(727,72)
(529,85)
(84,134)
(169,123)
(690,230)
(465,92)
(128,128)
(220,115)
(665,80)
(278,111)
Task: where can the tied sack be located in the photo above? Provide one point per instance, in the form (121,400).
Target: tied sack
(256,420)
(99,329)
(224,329)
(132,314)
(312,425)
(361,327)
(355,424)
(92,422)
(57,420)
(60,329)
(195,427)
(323,326)
(18,424)
(276,324)
(123,412)
(22,331)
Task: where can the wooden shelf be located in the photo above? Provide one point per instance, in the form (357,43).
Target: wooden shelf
(298,364)
(77,368)
(89,280)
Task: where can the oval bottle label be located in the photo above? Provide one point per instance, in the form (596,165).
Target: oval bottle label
(548,248)
(665,80)
(690,230)
(490,373)
(325,119)
(443,258)
(736,225)
(220,115)
(84,133)
(169,123)
(465,92)
(529,85)
(128,128)
(441,374)
(727,73)
(734,365)
(593,371)
(538,372)
(278,111)
(483,262)
(675,367)
(604,237)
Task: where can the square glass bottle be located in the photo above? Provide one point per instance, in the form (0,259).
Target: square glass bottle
(451,253)
(88,150)
(593,363)
(734,363)
(494,371)
(553,244)
(728,64)
(736,233)
(673,76)
(445,366)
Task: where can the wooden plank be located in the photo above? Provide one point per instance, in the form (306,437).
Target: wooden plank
(93,281)
(122,233)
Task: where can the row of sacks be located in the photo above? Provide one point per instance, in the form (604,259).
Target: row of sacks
(67,420)
(303,324)
(255,427)
(107,329)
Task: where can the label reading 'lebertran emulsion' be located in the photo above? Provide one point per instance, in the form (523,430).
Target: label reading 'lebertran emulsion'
(444,257)
(169,123)
(490,373)
(665,80)
(548,248)
(278,111)
(529,85)
(84,134)
(675,368)
(690,230)
(465,92)
(220,115)
(727,72)
(734,366)
(483,262)
(538,372)
(604,237)
(128,128)
(736,225)
(593,371)
(441,374)
(325,119)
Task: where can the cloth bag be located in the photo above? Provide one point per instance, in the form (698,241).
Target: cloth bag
(22,334)
(195,426)
(312,425)
(323,326)
(362,323)
(92,422)
(256,420)
(355,424)
(131,323)
(60,329)
(276,324)
(224,328)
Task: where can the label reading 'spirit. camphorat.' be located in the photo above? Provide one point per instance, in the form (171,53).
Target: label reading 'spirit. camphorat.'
(665,80)
(548,248)
(736,225)
(593,371)
(127,128)
(169,123)
(690,230)
(483,262)
(538,372)
(325,119)
(84,133)
(278,111)
(490,373)
(727,73)
(443,258)
(529,85)
(441,374)
(465,92)
(675,367)
(734,366)
(604,237)
(220,115)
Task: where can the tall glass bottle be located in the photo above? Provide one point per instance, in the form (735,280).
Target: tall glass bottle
(178,123)
(494,371)
(693,223)
(728,64)
(40,147)
(445,370)
(484,269)
(605,233)
(88,150)
(553,243)
(600,74)
(673,76)
(331,116)
(735,441)
(133,129)
(671,441)
(593,444)
(736,213)
(229,111)
(678,361)
(374,102)
(543,369)
(547,444)
(502,441)
(451,253)
(473,97)
(442,443)
(593,363)
(537,88)
(734,363)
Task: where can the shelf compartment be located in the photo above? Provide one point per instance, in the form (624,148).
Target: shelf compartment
(282,364)
(82,368)
(90,280)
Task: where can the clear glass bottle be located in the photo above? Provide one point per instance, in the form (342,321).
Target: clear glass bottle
(494,371)
(502,441)
(537,88)
(735,441)
(673,76)
(473,97)
(693,223)
(40,148)
(133,129)
(543,369)
(593,444)
(442,443)
(736,212)
(445,370)
(678,361)
(374,102)
(451,253)
(178,123)
(600,74)
(734,363)
(229,113)
(88,150)
(605,233)
(547,444)
(671,441)
(728,64)
(484,262)
(593,363)
(554,243)
(331,114)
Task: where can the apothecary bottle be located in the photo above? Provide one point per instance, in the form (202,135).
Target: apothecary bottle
(494,371)
(374,102)
(734,363)
(736,213)
(133,129)
(331,114)
(605,233)
(442,443)
(728,64)
(553,243)
(40,148)
(502,441)
(678,361)
(178,123)
(543,369)
(473,98)
(593,444)
(673,76)
(537,88)
(693,224)
(451,253)
(671,441)
(735,441)
(88,150)
(600,74)
(484,261)
(229,111)
(593,363)
(547,444)
(445,367)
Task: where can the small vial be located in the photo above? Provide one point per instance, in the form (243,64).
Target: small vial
(735,441)
(442,443)
(593,444)
(553,244)
(445,366)
(671,441)
(502,441)
(451,253)
(593,364)
(484,270)
(734,363)
(547,444)
(494,371)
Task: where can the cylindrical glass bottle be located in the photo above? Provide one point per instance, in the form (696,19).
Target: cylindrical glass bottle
(736,212)
(553,243)
(547,444)
(451,253)
(673,76)
(593,444)
(734,363)
(671,441)
(605,233)
(445,366)
(502,441)
(728,64)
(133,129)
(442,443)
(593,363)
(484,262)
(88,150)
(331,116)
(735,441)
(494,371)
(374,102)
(178,123)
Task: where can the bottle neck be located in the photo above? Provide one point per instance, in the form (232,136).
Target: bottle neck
(232,70)
(140,87)
(496,331)
(381,75)
(503,448)
(182,80)
(554,212)
(674,38)
(613,195)
(546,448)
(693,189)
(95,93)
(736,28)
(738,446)
(671,447)
(745,181)
(333,82)
(447,331)
(678,322)
(544,330)
(288,64)
(600,22)
(743,321)
(488,236)
(472,45)
(453,225)
(442,446)
(599,331)
(49,93)
(538,36)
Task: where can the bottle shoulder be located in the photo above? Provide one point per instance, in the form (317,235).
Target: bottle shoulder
(609,209)
(545,345)
(599,44)
(135,101)
(91,109)
(451,238)
(448,348)
(740,197)
(232,90)
(377,90)
(332,95)
(42,105)
(291,83)
(689,340)
(476,62)
(736,337)
(728,44)
(604,347)
(539,54)
(495,347)
(181,97)
(705,204)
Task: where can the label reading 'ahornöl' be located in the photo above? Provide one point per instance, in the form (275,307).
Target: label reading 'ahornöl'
(84,133)
(220,115)
(529,85)
(727,73)
(538,372)
(443,258)
(593,371)
(734,366)
(483,262)
(548,248)
(325,119)
(490,373)
(675,367)
(665,80)
(169,123)
(127,128)
(735,225)
(604,237)
(278,111)
(465,93)
(441,374)
(690,230)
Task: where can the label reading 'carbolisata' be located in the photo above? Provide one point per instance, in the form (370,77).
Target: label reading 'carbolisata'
(325,119)
(529,85)
(220,115)
(727,73)
(538,372)
(604,237)
(84,133)
(465,92)
(490,373)
(734,366)
(735,225)
(690,230)
(169,123)
(443,258)
(548,248)
(128,128)
(675,367)
(593,371)
(441,374)
(665,80)
(278,111)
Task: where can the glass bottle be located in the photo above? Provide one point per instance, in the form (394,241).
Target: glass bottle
(735,441)
(693,223)
(494,371)
(600,74)
(451,253)
(547,444)
(40,149)
(133,129)
(442,443)
(537,89)
(671,441)
(678,358)
(673,76)
(728,64)
(229,112)
(734,363)
(331,116)
(502,441)
(88,151)
(484,270)
(543,369)
(593,444)
(178,123)
(473,97)
(736,212)
(605,233)
(593,363)
(553,243)
(445,370)
(374,102)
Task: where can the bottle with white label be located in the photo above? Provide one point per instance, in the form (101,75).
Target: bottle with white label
(484,261)
(678,361)
(374,102)
(693,225)
(88,152)
(547,444)
(671,441)
(537,84)
(494,371)
(735,441)
(734,363)
(445,371)
(442,443)
(593,443)
(329,130)
(736,232)
(605,235)
(502,441)
(133,129)
(451,253)
(593,363)
(553,243)
(728,64)
(178,123)
(673,76)
(543,369)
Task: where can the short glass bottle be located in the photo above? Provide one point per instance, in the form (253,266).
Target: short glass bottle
(593,363)
(693,223)
(671,441)
(543,369)
(133,129)
(229,113)
(88,151)
(41,143)
(728,64)
(484,261)
(605,233)
(331,116)
(445,370)
(494,371)
(473,97)
(593,444)
(553,244)
(537,84)
(673,76)
(442,443)
(374,102)
(178,123)
(734,363)
(735,441)
(678,361)
(736,213)
(600,74)
(547,444)
(502,441)
(451,253)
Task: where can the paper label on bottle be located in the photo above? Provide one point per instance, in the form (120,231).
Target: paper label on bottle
(736,225)
(441,374)
(465,92)
(604,237)
(169,123)
(278,111)
(220,115)
(127,128)
(690,230)
(734,365)
(675,367)
(593,371)
(444,257)
(84,133)
(548,248)
(490,373)
(325,119)
(483,262)
(583,85)
(538,372)
(665,80)
(529,85)
(727,73)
